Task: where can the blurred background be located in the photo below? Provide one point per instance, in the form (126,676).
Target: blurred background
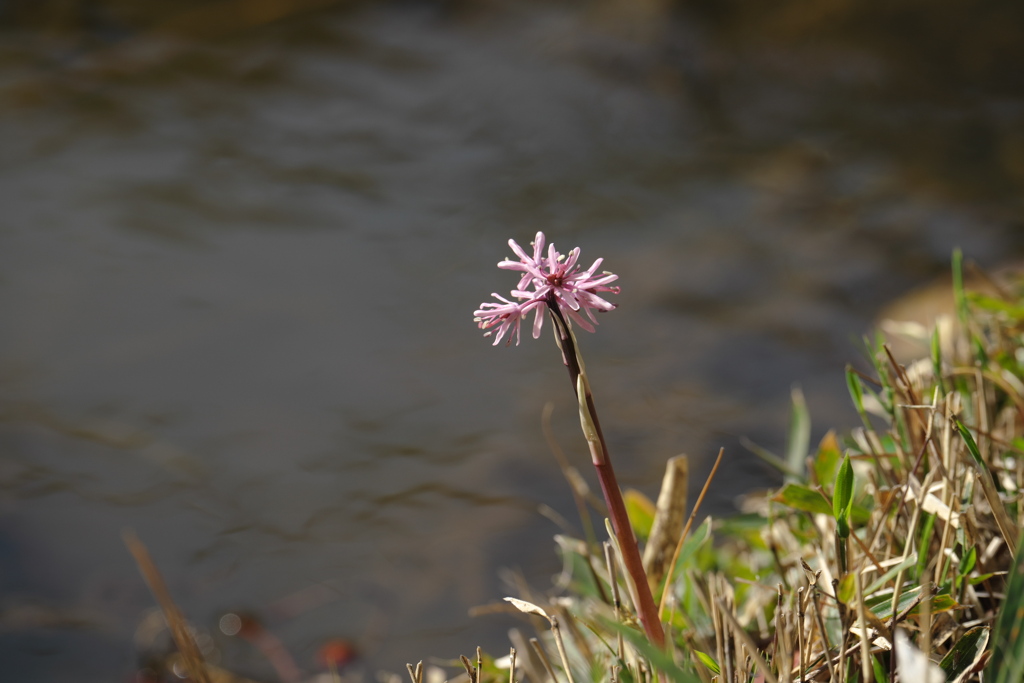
(241,242)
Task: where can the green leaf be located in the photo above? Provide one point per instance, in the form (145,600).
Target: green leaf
(690,548)
(972,445)
(881,675)
(881,605)
(772,459)
(843,528)
(968,561)
(800,497)
(640,511)
(857,394)
(960,661)
(827,461)
(995,305)
(842,497)
(940,603)
(583,577)
(799,434)
(927,529)
(936,356)
(891,574)
(707,661)
(1007,661)
(846,589)
(975,580)
(744,527)
(691,545)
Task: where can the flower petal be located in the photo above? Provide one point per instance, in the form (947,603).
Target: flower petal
(538,247)
(519,252)
(538,322)
(578,319)
(592,269)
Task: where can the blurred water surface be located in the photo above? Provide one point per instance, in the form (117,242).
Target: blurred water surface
(241,243)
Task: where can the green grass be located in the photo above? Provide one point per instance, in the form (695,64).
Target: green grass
(907,523)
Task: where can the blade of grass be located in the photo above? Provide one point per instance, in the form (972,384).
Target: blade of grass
(799,438)
(1006,526)
(961,659)
(1007,662)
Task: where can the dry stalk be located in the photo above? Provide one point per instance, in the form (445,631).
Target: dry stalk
(826,647)
(535,644)
(865,646)
(668,520)
(800,631)
(686,531)
(556,630)
(180,631)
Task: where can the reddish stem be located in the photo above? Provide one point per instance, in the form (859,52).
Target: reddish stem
(649,617)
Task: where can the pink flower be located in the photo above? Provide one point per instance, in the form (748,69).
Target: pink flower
(552,275)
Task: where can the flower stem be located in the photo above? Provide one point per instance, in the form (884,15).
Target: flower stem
(606,475)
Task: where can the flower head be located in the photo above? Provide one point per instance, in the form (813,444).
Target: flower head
(547,276)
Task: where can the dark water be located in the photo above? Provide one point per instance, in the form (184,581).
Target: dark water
(239,254)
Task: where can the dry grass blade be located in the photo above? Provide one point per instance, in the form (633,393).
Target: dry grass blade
(469,668)
(191,656)
(668,520)
(686,531)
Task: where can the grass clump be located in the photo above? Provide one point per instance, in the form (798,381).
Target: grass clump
(887,555)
